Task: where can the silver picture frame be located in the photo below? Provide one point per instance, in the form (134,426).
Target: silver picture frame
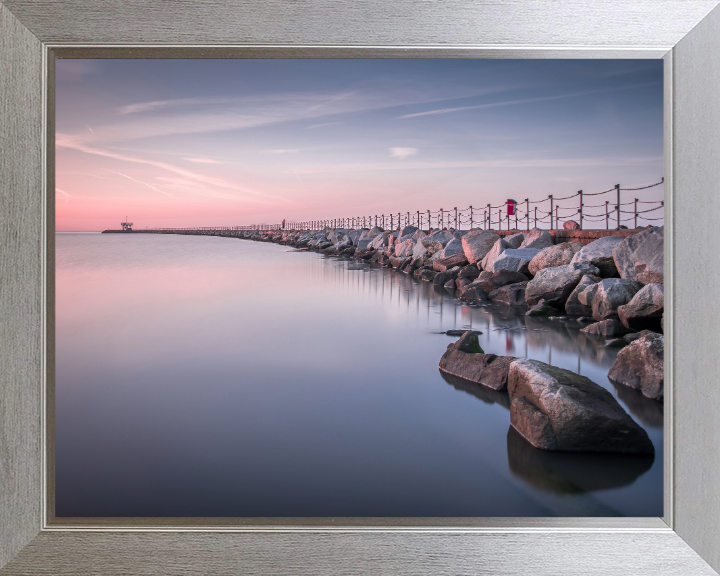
(685,33)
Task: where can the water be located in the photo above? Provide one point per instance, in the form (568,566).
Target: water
(203,376)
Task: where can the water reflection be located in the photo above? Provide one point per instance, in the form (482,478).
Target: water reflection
(647,410)
(572,473)
(484,393)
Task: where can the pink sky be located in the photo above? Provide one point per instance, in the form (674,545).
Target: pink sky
(206,142)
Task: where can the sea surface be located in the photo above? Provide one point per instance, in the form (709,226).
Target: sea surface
(217,377)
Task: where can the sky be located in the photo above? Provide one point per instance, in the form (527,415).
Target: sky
(179,143)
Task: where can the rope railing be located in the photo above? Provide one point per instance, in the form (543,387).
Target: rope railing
(488,217)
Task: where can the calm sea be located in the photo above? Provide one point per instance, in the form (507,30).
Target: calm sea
(202,376)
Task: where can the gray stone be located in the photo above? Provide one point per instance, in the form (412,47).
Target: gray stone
(624,253)
(450,285)
(649,258)
(355,235)
(408,231)
(640,365)
(473,291)
(573,305)
(470,272)
(537,239)
(571,225)
(555,409)
(379,241)
(516,260)
(442,277)
(554,285)
(607,328)
(600,254)
(436,241)
(553,256)
(645,310)
(374,231)
(541,309)
(364,243)
(610,294)
(465,359)
(498,248)
(510,294)
(502,278)
(452,248)
(405,248)
(515,240)
(477,243)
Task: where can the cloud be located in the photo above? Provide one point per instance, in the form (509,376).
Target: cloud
(521,101)
(176,103)
(203,160)
(402,153)
(66,196)
(140,182)
(323,124)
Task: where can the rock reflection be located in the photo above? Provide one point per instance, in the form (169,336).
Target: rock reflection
(647,410)
(572,473)
(487,395)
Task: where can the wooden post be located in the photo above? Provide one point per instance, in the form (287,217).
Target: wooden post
(471,218)
(551,210)
(456,223)
(617,208)
(527,215)
(636,201)
(535,217)
(580,210)
(557,221)
(607,224)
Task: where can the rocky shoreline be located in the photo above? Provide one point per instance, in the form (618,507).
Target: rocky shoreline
(615,282)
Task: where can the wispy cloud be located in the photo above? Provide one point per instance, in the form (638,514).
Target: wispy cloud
(141,182)
(204,160)
(402,153)
(66,196)
(175,103)
(88,127)
(323,124)
(519,101)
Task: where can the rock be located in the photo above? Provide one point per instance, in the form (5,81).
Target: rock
(405,248)
(364,243)
(466,359)
(516,260)
(452,248)
(554,285)
(408,230)
(600,254)
(541,309)
(635,335)
(553,256)
(573,305)
(610,294)
(442,277)
(460,283)
(555,409)
(571,225)
(607,328)
(355,235)
(473,291)
(510,294)
(419,250)
(502,278)
(424,275)
(623,253)
(398,262)
(436,241)
(649,258)
(380,241)
(645,310)
(640,365)
(515,240)
(537,239)
(615,343)
(477,243)
(450,285)
(460,332)
(450,262)
(469,271)
(498,248)
(336,235)
(374,231)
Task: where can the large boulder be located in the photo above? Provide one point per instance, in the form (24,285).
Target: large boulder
(649,258)
(645,310)
(607,328)
(379,241)
(555,409)
(408,231)
(364,243)
(442,264)
(553,256)
(442,277)
(493,254)
(573,306)
(436,241)
(612,293)
(337,234)
(537,239)
(502,278)
(554,285)
(469,271)
(466,359)
(640,365)
(600,254)
(624,253)
(473,291)
(477,243)
(419,250)
(355,235)
(452,248)
(374,231)
(510,294)
(571,225)
(405,248)
(515,240)
(515,260)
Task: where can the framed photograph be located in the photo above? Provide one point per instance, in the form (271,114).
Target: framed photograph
(167,468)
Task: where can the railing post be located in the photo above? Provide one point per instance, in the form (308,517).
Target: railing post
(535,226)
(580,210)
(617,208)
(441,222)
(557,220)
(429,221)
(551,210)
(607,223)
(391,221)
(636,201)
(471,217)
(499,219)
(399,225)
(527,212)
(456,223)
